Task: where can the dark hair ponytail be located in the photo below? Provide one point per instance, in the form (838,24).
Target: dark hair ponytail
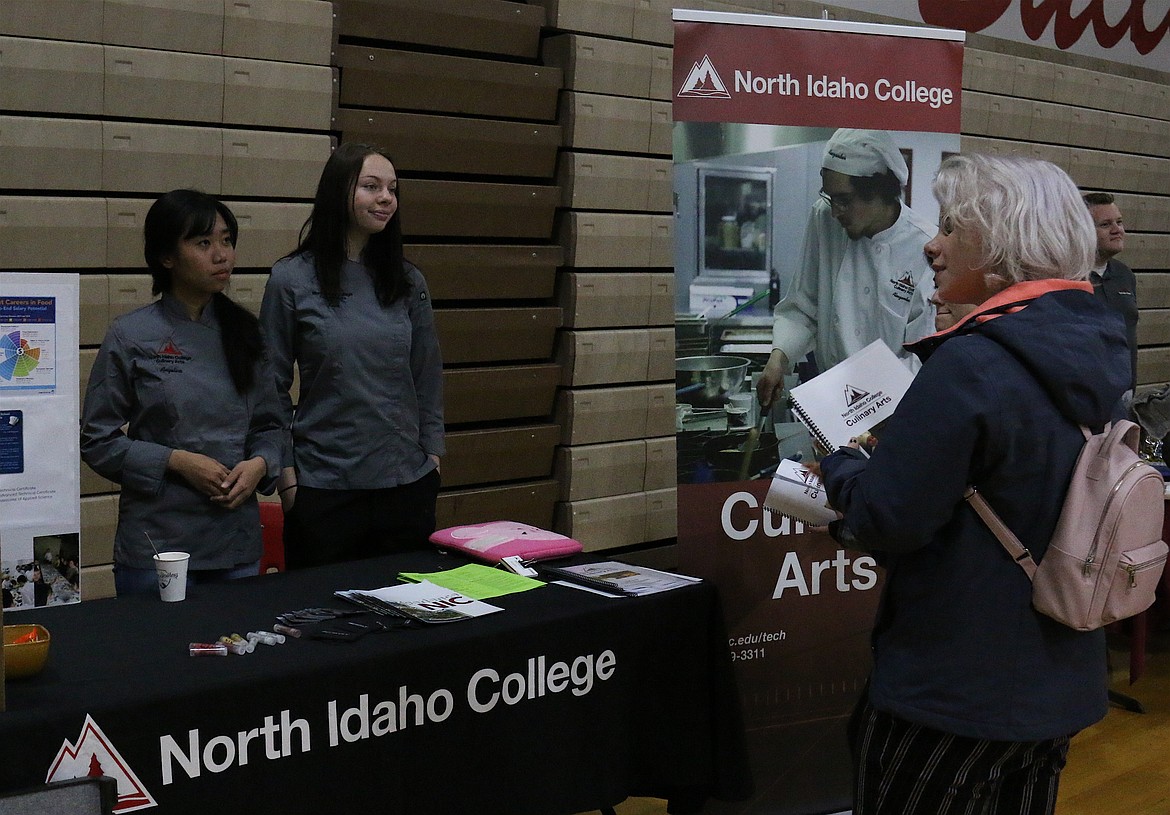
(242,346)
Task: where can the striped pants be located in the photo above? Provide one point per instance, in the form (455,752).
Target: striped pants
(907,769)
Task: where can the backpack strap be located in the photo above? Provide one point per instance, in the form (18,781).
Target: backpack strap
(1019,553)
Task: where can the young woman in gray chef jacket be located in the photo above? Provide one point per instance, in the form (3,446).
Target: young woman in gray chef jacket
(181,408)
(361,473)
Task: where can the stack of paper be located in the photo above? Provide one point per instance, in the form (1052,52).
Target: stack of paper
(423,601)
(475,580)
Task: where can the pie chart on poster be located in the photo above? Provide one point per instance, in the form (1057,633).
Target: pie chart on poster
(17,359)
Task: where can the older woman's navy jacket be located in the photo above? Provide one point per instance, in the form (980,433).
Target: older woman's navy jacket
(957,645)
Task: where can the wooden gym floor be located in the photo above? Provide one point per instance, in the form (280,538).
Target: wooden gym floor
(1119,766)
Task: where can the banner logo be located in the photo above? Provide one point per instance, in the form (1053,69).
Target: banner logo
(94,754)
(704,82)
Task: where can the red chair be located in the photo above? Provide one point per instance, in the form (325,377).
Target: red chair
(272,532)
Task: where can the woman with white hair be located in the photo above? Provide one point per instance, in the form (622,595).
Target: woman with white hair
(973,694)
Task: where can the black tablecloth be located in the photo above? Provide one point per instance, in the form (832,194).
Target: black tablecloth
(461,717)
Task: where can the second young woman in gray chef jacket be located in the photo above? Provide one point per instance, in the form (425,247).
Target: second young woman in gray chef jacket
(361,468)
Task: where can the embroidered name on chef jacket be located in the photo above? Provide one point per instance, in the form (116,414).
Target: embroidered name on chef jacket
(171,359)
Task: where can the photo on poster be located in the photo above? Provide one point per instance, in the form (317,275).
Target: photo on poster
(38,568)
(747,197)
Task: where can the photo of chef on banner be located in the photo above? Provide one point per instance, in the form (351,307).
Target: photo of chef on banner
(807,251)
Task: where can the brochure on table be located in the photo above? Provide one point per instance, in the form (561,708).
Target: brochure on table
(475,580)
(618,578)
(423,601)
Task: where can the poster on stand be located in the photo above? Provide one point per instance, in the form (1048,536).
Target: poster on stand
(40,505)
(757,100)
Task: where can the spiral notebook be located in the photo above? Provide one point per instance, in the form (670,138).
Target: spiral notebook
(853,396)
(798,494)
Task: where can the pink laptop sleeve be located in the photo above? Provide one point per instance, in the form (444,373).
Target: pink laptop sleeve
(499,539)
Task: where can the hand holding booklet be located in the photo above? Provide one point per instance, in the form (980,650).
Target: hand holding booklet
(853,396)
(798,494)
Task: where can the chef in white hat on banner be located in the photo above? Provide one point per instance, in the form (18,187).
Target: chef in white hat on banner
(863,274)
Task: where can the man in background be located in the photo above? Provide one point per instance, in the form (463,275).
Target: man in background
(1112,280)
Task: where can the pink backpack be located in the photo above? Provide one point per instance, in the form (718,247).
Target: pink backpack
(1106,555)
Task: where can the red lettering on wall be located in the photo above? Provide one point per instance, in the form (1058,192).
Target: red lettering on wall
(1146,40)
(967,16)
(1036,15)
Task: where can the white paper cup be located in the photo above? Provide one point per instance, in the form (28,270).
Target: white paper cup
(172,575)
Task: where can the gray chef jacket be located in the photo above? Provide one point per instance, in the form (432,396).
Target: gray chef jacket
(161,383)
(370,409)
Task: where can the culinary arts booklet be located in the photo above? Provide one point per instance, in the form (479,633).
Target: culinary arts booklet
(853,396)
(423,601)
(798,494)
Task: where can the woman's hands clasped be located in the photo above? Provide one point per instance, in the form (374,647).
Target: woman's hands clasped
(241,482)
(228,488)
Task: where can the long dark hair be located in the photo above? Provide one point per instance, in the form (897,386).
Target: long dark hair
(183,214)
(324,233)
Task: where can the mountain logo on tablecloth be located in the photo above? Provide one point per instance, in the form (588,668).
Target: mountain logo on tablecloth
(95,754)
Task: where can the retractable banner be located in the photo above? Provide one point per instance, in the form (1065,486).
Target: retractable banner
(757,100)
(40,504)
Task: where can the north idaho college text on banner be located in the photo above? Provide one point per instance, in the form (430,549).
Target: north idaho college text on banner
(760,71)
